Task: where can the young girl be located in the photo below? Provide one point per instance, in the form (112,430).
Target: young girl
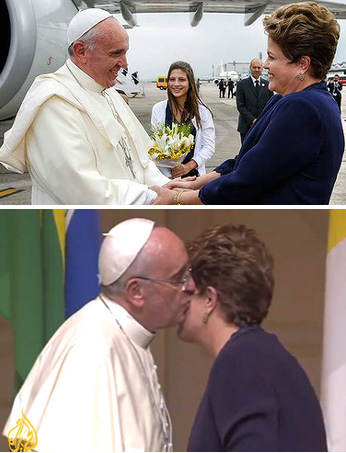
(185,106)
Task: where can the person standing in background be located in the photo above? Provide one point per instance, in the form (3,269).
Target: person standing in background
(252,95)
(222,88)
(335,87)
(184,105)
(230,85)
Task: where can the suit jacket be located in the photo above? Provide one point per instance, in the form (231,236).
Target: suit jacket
(335,90)
(258,398)
(291,155)
(250,105)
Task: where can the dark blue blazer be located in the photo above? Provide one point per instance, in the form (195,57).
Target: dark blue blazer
(258,398)
(291,155)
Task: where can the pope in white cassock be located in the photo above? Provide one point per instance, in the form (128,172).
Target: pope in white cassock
(94,386)
(75,134)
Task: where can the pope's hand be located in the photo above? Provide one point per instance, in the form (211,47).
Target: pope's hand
(165,196)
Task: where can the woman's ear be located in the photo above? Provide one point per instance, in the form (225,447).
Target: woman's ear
(211,299)
(134,291)
(305,63)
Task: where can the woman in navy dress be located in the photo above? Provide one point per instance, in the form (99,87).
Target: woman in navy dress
(258,397)
(293,152)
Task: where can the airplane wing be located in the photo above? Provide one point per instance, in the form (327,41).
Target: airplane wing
(251,8)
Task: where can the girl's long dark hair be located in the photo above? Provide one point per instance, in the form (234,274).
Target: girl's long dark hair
(190,109)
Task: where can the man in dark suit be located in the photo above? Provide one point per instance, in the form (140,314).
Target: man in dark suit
(222,88)
(335,88)
(252,95)
(230,86)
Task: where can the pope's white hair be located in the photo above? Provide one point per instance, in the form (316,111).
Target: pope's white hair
(91,36)
(137,269)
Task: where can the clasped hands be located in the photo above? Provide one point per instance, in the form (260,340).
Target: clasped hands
(167,194)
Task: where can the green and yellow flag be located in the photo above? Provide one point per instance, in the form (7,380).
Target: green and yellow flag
(31,273)
(48,271)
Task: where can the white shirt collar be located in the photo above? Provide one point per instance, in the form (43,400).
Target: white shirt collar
(83,78)
(135,331)
(254,80)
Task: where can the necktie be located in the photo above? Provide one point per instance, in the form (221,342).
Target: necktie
(257,87)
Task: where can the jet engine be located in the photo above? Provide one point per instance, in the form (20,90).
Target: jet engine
(33,41)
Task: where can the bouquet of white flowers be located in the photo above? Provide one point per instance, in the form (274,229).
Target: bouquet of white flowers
(170,145)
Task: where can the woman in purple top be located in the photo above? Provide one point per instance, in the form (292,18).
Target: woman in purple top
(293,152)
(258,397)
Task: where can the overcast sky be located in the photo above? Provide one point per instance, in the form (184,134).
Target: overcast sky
(161,39)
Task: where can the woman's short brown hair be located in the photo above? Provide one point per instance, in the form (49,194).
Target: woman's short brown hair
(305,29)
(234,261)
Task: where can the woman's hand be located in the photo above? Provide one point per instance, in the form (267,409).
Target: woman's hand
(186,183)
(176,197)
(183,169)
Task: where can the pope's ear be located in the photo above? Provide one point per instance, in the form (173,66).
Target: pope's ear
(134,291)
(79,50)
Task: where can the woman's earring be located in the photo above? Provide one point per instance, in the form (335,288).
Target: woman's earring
(205,318)
(301,76)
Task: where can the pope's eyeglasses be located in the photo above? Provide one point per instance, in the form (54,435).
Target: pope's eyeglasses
(176,283)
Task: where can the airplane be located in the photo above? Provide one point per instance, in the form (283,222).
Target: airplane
(33,32)
(233,75)
(251,8)
(129,83)
(33,41)
(226,75)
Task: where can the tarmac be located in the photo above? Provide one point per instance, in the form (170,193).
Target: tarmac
(227,140)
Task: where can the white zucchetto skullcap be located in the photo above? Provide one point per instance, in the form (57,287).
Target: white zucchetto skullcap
(83,21)
(121,246)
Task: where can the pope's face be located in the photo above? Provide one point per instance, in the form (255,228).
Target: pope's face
(167,302)
(108,56)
